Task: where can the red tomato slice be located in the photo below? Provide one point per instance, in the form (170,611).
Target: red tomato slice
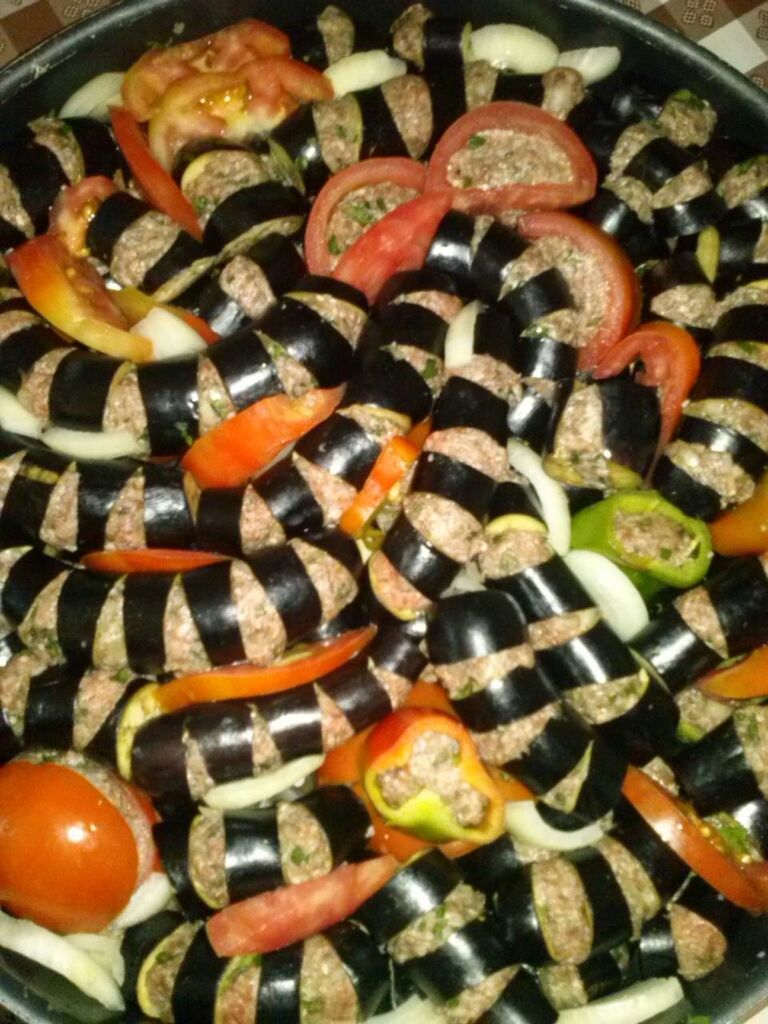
(538,127)
(671,362)
(744,529)
(148,560)
(399,171)
(147,80)
(744,680)
(249,681)
(295,912)
(614,280)
(239,447)
(682,831)
(155,182)
(74,208)
(399,241)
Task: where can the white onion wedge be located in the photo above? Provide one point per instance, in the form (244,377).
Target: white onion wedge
(232,796)
(15,418)
(413,1011)
(170,335)
(460,338)
(633,1005)
(467,580)
(514,48)
(363,70)
(525,824)
(95,97)
(62,957)
(150,898)
(552,499)
(614,593)
(92,444)
(104,949)
(594,63)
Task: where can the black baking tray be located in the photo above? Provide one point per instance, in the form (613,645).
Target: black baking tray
(108,41)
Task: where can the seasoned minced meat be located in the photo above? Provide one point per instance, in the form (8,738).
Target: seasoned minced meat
(564,89)
(433,764)
(238,993)
(258,527)
(141,246)
(35,391)
(430,367)
(563,986)
(634,193)
(332,494)
(260,624)
(410,104)
(245,282)
(264,752)
(11,207)
(335,726)
(460,678)
(397,687)
(184,651)
(327,993)
(158,972)
(446,525)
(445,305)
(407,33)
(563,910)
(59,525)
(689,184)
(347,318)
(692,304)
(338,32)
(305,851)
(580,430)
(339,131)
(753,352)
(393,590)
(701,713)
(479,83)
(39,630)
(125,407)
(751,724)
(744,181)
(382,424)
(512,551)
(472,447)
(602,702)
(746,295)
(639,891)
(687,119)
(8,558)
(716,470)
(9,467)
(630,142)
(358,210)
(15,319)
(472,1003)
(58,137)
(207,852)
(699,944)
(491,374)
(214,402)
(497,157)
(663,774)
(97,696)
(513,740)
(333,582)
(559,629)
(295,379)
(697,611)
(652,535)
(221,173)
(125,522)
(198,777)
(15,678)
(565,794)
(429,931)
(109,647)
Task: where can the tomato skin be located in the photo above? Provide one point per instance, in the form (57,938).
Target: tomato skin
(74,208)
(399,241)
(619,281)
(530,120)
(743,530)
(68,858)
(395,170)
(148,560)
(294,912)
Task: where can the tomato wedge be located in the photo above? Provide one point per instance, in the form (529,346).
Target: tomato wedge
(294,912)
(239,447)
(399,241)
(74,208)
(155,182)
(389,470)
(604,276)
(148,560)
(339,201)
(248,681)
(69,293)
(461,153)
(225,50)
(743,530)
(671,362)
(743,680)
(673,822)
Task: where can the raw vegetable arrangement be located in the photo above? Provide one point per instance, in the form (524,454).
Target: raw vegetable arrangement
(384,566)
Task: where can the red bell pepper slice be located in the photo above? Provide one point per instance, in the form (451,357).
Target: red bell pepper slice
(743,680)
(388,471)
(148,560)
(743,530)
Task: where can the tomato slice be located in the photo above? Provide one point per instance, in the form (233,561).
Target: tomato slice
(147,80)
(743,680)
(239,447)
(320,242)
(294,912)
(388,471)
(673,822)
(743,530)
(613,281)
(68,857)
(69,293)
(399,241)
(155,182)
(671,362)
(533,128)
(74,208)
(248,681)
(135,305)
(148,560)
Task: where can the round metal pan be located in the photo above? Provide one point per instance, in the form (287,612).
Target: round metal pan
(109,40)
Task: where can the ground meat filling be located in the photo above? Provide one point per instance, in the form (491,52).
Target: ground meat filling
(700,945)
(397,687)
(15,679)
(473,1002)
(58,137)
(141,246)
(510,551)
(689,184)
(358,210)
(335,726)
(599,703)
(381,424)
(751,724)
(744,180)
(430,931)
(393,590)
(559,629)
(295,379)
(332,494)
(445,525)
(125,522)
(347,318)
(473,447)
(39,630)
(753,352)
(158,973)
(97,697)
(327,993)
(408,34)
(498,157)
(338,32)
(214,402)
(697,611)
(305,851)
(691,304)
(513,740)
(579,440)
(563,986)
(563,910)
(630,142)
(639,891)
(245,282)
(410,104)
(334,584)
(9,467)
(59,525)
(261,627)
(424,363)
(238,993)
(716,470)
(434,765)
(565,794)
(652,535)
(199,780)
(125,407)
(264,751)
(634,193)
(217,175)
(184,650)
(564,89)
(207,854)
(462,678)
(15,319)
(493,375)
(258,527)
(11,208)
(700,714)
(35,391)
(443,304)
(339,131)
(687,119)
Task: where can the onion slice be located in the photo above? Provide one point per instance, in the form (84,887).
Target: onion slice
(15,418)
(170,335)
(552,499)
(92,444)
(95,97)
(594,63)
(633,1005)
(615,594)
(62,957)
(363,70)
(460,338)
(150,898)
(232,796)
(104,949)
(514,48)
(413,1011)
(525,824)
